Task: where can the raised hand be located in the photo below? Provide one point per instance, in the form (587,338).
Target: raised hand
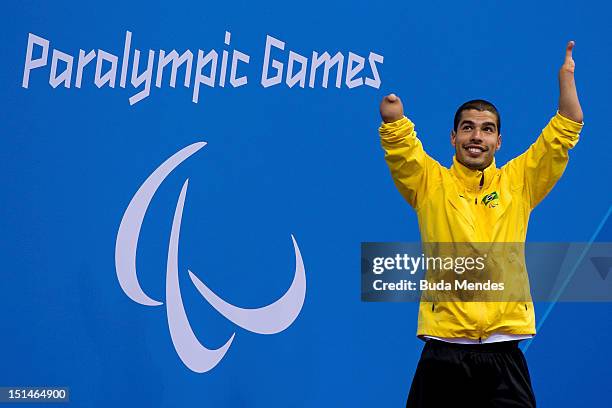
(391,108)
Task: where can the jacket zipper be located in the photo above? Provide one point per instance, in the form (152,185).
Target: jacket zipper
(481,184)
(481,314)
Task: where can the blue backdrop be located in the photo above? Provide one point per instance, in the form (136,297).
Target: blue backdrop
(279,161)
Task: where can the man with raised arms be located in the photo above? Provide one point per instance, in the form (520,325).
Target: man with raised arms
(471,356)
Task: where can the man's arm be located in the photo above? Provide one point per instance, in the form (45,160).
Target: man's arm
(410,166)
(544,162)
(569,106)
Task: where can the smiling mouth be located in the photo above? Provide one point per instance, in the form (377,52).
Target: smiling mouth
(475,149)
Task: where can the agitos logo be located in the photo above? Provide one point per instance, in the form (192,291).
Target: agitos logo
(269,319)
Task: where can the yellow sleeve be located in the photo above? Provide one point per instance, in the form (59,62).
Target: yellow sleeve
(541,166)
(410,166)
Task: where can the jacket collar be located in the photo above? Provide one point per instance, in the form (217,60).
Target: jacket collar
(472,179)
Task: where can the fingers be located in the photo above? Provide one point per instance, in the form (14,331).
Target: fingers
(568,50)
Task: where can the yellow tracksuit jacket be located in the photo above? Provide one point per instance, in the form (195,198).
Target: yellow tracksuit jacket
(450,208)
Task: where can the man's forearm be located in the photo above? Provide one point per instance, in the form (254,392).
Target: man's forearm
(569,105)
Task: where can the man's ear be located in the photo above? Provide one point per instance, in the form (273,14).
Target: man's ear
(499,140)
(453,136)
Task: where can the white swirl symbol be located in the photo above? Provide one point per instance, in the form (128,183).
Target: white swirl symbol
(270,319)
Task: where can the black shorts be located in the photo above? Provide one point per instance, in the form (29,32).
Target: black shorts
(471,375)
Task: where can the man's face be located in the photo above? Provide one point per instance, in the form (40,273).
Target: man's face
(476,139)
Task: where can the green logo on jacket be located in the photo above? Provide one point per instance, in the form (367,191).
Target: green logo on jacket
(491,200)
